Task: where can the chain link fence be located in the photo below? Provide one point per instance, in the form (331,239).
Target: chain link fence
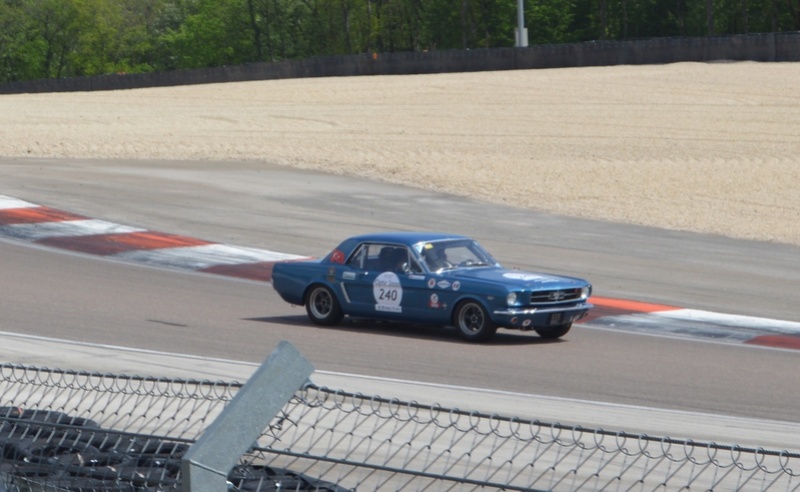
(80,431)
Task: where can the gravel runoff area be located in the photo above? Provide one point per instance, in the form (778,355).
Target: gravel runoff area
(711,148)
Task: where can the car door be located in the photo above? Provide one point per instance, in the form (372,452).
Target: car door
(372,288)
(416,301)
(384,281)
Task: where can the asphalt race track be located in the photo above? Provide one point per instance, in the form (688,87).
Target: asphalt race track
(71,296)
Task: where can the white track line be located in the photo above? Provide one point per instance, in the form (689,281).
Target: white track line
(68,228)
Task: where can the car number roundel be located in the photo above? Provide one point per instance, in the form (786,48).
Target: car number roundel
(388,292)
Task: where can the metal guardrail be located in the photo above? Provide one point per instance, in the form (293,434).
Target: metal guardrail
(67,430)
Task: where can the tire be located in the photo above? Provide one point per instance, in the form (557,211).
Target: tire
(554,332)
(322,306)
(472,322)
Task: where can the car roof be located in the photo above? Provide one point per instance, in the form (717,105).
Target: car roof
(405,237)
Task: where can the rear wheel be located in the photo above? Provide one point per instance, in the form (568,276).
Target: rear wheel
(553,332)
(322,306)
(473,322)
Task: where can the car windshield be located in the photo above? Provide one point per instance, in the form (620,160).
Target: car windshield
(453,253)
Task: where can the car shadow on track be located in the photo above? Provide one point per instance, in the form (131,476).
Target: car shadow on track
(410,330)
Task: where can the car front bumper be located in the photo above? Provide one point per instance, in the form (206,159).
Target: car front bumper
(530,318)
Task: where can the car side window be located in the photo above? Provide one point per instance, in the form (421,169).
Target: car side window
(391,258)
(370,257)
(377,257)
(358,259)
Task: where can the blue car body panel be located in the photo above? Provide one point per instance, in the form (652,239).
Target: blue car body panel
(415,292)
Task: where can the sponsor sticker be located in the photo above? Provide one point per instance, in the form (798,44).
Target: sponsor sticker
(388,293)
(443,284)
(431,283)
(434,302)
(456,285)
(349,275)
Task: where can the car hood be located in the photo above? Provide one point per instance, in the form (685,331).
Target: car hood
(518,279)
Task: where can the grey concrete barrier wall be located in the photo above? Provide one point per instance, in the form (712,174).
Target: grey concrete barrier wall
(769,47)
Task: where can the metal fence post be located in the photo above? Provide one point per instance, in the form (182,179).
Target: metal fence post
(206,464)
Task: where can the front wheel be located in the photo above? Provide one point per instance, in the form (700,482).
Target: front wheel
(553,332)
(473,323)
(322,306)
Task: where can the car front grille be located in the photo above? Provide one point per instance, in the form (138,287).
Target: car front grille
(555,296)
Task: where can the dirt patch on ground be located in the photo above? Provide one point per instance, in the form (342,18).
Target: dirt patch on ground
(699,147)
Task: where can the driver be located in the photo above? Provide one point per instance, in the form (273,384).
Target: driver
(435,258)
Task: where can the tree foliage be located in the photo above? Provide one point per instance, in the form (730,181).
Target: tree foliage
(67,38)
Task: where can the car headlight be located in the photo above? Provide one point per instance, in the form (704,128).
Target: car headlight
(511,299)
(585,291)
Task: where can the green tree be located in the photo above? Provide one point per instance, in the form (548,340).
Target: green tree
(548,21)
(214,33)
(98,48)
(279,29)
(468,24)
(62,38)
(53,36)
(14,61)
(637,18)
(399,25)
(139,33)
(323,27)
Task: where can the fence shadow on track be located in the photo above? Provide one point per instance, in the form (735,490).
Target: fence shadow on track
(67,430)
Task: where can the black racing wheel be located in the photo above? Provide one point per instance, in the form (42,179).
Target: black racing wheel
(322,306)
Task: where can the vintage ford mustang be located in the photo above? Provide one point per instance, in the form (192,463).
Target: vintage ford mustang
(433,278)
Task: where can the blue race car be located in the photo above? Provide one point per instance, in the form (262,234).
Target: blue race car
(423,277)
